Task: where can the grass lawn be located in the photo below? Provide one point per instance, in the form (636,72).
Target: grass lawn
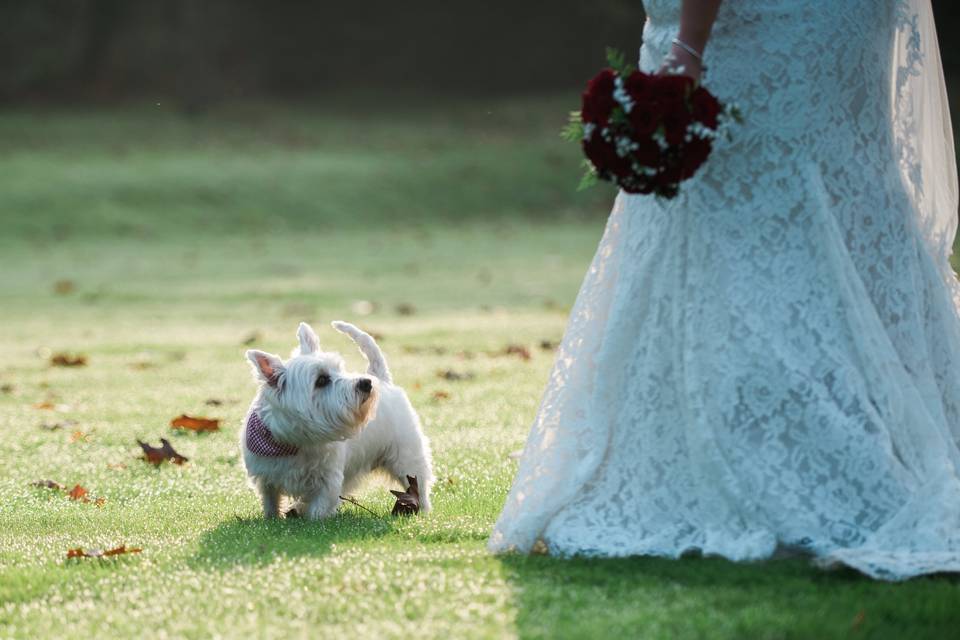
(176,241)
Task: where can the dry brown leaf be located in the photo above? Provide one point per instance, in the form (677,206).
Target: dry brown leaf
(63,287)
(191,423)
(434,351)
(156,455)
(858,619)
(408,502)
(517,350)
(56,426)
(68,360)
(48,484)
(253,337)
(100,553)
(454,376)
(78,493)
(80,436)
(440,395)
(116,466)
(46,405)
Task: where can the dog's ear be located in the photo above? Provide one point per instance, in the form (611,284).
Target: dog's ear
(266,366)
(309,342)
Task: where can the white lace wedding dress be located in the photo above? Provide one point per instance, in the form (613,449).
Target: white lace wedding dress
(772,359)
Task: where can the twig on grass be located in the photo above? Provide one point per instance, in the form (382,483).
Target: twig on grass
(357,504)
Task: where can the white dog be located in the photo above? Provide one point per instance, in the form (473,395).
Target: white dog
(314,430)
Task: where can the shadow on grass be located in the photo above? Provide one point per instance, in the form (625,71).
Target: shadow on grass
(256,541)
(714,598)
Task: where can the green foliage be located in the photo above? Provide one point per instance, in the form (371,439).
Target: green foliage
(617,61)
(573,131)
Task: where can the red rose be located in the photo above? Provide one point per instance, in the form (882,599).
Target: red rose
(645,117)
(672,174)
(695,153)
(648,154)
(603,156)
(675,123)
(706,107)
(598,100)
(639,86)
(672,90)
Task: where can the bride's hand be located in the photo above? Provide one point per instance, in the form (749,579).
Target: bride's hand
(682,62)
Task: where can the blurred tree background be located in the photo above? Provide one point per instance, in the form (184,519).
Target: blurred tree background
(207,51)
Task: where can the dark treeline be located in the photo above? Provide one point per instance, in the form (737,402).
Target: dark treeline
(208,50)
(204,51)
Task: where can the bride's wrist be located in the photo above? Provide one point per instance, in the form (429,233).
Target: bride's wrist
(694,38)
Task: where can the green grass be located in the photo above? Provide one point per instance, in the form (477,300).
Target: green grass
(184,237)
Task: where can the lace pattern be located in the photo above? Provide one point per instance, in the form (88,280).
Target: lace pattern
(772,359)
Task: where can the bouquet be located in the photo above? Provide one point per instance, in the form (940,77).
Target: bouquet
(646,133)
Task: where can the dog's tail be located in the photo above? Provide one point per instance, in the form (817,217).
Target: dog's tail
(377,364)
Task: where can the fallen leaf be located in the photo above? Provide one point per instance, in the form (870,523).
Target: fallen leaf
(48,484)
(453,376)
(408,502)
(68,360)
(156,455)
(436,351)
(405,309)
(100,553)
(46,405)
(78,493)
(100,502)
(550,304)
(517,350)
(191,423)
(56,426)
(253,337)
(116,466)
(80,436)
(858,619)
(63,287)
(440,395)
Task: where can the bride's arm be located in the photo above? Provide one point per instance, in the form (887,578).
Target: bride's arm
(696,21)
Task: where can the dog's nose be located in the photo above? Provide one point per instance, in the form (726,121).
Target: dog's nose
(364,385)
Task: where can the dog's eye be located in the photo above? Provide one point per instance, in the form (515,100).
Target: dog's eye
(322,380)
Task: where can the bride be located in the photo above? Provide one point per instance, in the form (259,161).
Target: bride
(770,361)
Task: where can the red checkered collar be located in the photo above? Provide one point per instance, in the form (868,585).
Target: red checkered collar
(261,441)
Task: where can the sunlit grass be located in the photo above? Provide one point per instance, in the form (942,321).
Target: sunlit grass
(182,240)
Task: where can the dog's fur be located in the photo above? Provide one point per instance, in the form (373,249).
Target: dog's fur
(342,432)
